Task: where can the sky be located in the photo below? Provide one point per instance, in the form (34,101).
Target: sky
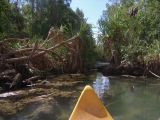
(92,10)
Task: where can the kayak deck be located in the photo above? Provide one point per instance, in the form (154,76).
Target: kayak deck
(89,107)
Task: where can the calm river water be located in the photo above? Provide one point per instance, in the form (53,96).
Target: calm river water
(126,99)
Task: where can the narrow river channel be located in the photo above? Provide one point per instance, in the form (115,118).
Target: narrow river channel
(125,98)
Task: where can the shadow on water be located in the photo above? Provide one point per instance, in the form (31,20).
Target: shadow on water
(124,99)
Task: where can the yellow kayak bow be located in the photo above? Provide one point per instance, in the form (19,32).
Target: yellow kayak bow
(89,107)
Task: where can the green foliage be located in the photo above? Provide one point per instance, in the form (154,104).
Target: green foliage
(89,53)
(41,15)
(11,19)
(4,18)
(34,18)
(133,36)
(153,51)
(15,45)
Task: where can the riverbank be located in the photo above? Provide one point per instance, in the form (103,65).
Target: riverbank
(130,70)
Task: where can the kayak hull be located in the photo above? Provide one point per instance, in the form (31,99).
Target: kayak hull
(89,107)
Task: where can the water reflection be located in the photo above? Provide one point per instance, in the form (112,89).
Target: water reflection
(126,101)
(101,85)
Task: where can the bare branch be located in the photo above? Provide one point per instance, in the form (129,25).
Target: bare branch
(24,58)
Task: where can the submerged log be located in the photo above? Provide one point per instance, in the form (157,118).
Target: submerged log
(8,72)
(16,80)
(157,76)
(31,79)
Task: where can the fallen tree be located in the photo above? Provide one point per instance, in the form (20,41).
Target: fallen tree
(20,65)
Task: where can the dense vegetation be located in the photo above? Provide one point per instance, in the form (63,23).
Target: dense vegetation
(41,37)
(132,28)
(129,28)
(34,18)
